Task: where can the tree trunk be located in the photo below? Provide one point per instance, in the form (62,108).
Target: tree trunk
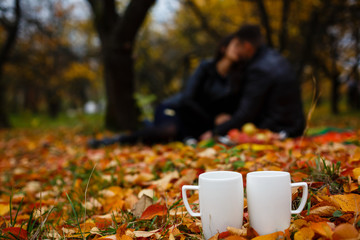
(121,112)
(284,25)
(265,22)
(10,40)
(335,93)
(117,35)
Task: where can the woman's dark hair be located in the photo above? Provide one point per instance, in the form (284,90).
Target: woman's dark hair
(222,45)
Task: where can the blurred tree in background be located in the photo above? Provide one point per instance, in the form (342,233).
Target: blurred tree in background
(9,32)
(48,69)
(117,34)
(65,53)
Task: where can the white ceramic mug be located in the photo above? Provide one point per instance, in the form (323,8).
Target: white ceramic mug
(269,200)
(221,200)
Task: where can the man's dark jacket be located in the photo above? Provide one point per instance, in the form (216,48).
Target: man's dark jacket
(270,98)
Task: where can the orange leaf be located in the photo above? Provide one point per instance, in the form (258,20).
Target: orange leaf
(321,228)
(121,233)
(16,231)
(304,234)
(215,237)
(235,237)
(152,211)
(271,236)
(102,223)
(298,224)
(345,231)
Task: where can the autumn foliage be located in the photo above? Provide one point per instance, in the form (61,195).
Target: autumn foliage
(53,187)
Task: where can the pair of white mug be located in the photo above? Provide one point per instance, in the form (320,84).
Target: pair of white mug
(221,200)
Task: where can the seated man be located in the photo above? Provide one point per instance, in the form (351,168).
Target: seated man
(270,96)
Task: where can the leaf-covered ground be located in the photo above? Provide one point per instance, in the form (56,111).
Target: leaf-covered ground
(54,187)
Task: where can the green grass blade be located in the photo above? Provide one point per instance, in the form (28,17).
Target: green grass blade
(77,219)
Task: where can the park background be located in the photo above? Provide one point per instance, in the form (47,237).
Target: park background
(74,69)
(58,56)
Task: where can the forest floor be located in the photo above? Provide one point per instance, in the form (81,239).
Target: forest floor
(54,187)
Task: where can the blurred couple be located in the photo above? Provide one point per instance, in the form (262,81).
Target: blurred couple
(246,81)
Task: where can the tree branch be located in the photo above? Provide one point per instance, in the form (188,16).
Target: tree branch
(127,28)
(203,20)
(105,15)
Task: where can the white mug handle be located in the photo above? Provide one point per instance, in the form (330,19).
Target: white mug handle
(303,198)
(186,203)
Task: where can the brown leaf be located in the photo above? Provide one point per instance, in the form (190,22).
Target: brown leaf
(152,211)
(144,202)
(323,211)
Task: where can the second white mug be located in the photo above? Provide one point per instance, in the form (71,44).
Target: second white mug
(269,200)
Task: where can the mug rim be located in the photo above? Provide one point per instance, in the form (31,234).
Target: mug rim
(228,175)
(268,174)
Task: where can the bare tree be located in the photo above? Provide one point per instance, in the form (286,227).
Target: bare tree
(117,35)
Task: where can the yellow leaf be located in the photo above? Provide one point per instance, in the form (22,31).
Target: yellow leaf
(271,236)
(254,147)
(304,234)
(297,224)
(109,237)
(348,202)
(356,173)
(4,208)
